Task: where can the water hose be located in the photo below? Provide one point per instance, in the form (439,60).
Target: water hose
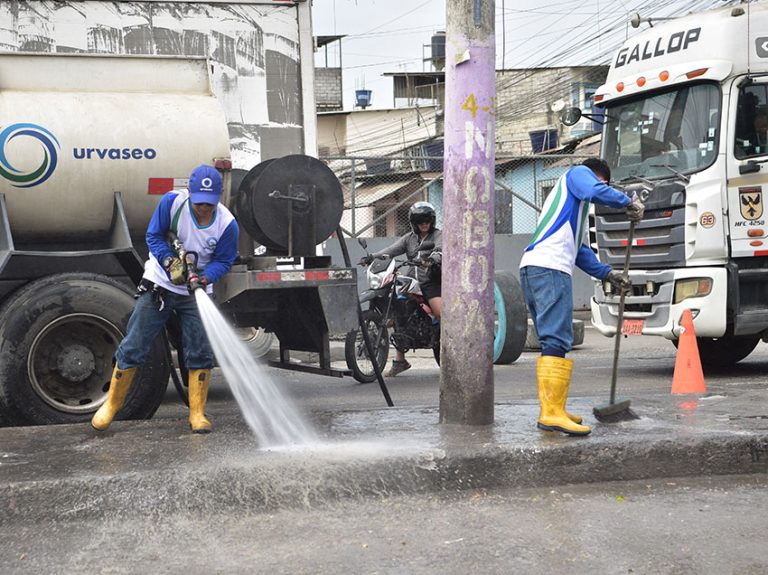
(363,328)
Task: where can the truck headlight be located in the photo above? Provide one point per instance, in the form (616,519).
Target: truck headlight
(692,287)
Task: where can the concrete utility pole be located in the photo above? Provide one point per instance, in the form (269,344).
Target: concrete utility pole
(466,373)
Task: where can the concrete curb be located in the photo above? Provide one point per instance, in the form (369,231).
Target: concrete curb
(150,468)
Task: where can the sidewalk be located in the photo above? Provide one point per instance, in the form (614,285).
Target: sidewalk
(150,468)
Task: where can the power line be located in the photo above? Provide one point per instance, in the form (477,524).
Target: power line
(393,19)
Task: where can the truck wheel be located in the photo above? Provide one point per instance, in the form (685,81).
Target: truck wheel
(511,318)
(355,351)
(58,336)
(720,352)
(258,340)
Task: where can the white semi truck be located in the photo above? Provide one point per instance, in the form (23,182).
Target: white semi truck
(685,108)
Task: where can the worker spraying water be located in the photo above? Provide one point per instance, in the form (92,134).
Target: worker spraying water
(193,242)
(205,234)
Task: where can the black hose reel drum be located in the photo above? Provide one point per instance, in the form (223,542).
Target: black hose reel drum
(290,204)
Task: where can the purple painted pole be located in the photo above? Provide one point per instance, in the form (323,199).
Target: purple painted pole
(466,372)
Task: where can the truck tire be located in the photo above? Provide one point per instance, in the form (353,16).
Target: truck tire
(721,352)
(258,340)
(355,351)
(58,336)
(511,318)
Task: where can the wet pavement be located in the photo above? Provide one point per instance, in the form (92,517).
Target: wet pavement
(150,468)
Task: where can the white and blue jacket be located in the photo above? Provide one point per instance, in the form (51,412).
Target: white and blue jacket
(560,239)
(215,244)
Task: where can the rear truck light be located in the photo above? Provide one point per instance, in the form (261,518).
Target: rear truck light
(641,81)
(223,164)
(696,73)
(599,98)
(692,287)
(664,76)
(620,87)
(756,243)
(755,233)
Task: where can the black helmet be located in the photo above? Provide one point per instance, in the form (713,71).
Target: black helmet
(421,213)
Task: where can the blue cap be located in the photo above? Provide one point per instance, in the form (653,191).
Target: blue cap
(205,185)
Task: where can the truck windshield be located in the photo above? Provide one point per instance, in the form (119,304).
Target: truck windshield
(664,133)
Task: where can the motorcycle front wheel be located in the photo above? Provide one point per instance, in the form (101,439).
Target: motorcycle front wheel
(356,354)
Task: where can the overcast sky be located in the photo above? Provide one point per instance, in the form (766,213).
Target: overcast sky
(389,35)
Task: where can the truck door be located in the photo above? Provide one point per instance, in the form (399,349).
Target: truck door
(747,180)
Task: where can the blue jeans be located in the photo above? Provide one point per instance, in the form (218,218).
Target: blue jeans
(147,321)
(549,296)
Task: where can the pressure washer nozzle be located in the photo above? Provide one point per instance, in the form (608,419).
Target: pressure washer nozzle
(194,283)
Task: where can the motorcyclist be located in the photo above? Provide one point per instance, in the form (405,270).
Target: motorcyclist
(424,244)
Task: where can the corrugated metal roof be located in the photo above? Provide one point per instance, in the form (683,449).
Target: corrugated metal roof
(370,194)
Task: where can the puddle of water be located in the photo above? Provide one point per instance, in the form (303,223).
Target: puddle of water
(271,416)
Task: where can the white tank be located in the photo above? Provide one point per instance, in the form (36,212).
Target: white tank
(74,129)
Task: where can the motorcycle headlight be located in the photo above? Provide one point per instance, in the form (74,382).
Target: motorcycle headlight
(375,282)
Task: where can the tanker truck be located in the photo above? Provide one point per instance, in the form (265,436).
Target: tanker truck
(682,108)
(88,145)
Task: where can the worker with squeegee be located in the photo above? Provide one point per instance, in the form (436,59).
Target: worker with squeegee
(192,240)
(558,243)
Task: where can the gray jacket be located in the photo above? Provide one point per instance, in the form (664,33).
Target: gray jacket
(416,249)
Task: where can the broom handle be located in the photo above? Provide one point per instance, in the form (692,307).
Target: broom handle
(620,319)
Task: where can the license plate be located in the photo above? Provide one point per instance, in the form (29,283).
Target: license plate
(633,327)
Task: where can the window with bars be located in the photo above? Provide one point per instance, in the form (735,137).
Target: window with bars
(545,186)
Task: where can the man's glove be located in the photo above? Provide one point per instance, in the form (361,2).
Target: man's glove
(428,263)
(197,283)
(365,260)
(635,209)
(176,270)
(618,281)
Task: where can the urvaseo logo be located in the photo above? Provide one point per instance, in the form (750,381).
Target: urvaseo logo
(114,153)
(37,176)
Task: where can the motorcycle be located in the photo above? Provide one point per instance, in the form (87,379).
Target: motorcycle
(395,303)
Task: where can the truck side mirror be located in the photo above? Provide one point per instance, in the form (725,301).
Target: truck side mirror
(363,243)
(570,116)
(751,167)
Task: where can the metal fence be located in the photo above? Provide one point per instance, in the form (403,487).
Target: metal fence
(378,191)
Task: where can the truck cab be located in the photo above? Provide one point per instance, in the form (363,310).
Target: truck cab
(685,111)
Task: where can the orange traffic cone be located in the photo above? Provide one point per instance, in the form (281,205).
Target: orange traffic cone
(689,376)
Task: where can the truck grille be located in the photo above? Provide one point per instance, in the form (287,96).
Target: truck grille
(659,237)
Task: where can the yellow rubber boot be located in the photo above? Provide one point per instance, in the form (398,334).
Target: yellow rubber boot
(572,416)
(198,395)
(554,374)
(118,389)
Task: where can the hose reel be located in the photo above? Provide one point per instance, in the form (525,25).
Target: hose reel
(290,204)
